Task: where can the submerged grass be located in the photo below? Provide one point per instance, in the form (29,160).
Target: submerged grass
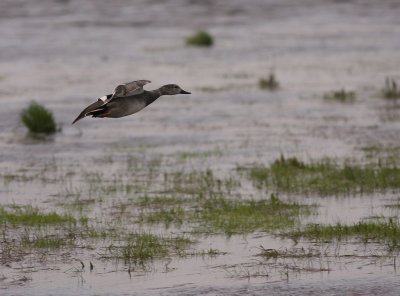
(46,242)
(231,216)
(375,153)
(176,215)
(199,154)
(390,91)
(271,83)
(38,119)
(325,177)
(32,216)
(142,247)
(198,182)
(161,201)
(287,253)
(387,231)
(340,96)
(245,216)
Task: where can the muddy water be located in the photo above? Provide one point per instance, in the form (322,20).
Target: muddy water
(66,53)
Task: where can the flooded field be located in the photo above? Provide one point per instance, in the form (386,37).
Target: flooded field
(237,189)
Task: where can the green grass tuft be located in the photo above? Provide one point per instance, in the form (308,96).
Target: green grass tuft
(387,231)
(198,182)
(244,216)
(230,216)
(341,96)
(38,119)
(200,38)
(32,216)
(390,91)
(198,154)
(174,215)
(269,84)
(325,177)
(46,242)
(161,201)
(142,247)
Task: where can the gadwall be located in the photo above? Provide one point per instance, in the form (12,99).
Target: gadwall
(127,99)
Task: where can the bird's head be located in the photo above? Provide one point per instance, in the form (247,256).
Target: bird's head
(172,89)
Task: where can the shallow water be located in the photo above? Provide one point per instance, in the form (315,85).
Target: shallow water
(64,54)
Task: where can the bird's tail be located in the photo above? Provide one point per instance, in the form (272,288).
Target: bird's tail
(80,116)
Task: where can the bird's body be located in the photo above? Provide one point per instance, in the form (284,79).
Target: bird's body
(127,99)
(124,106)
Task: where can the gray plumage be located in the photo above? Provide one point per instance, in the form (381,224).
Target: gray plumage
(127,99)
(129,89)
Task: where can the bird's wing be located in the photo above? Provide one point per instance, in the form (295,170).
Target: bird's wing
(128,89)
(92,107)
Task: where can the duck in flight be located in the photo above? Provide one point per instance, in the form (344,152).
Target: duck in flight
(127,99)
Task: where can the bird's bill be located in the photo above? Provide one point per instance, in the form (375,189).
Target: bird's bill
(185,92)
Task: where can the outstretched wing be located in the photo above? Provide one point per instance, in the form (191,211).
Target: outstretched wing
(92,107)
(128,89)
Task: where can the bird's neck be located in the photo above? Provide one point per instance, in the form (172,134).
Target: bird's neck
(158,92)
(151,96)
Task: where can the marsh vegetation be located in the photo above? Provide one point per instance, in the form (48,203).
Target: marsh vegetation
(200,38)
(270,83)
(326,176)
(26,215)
(140,248)
(341,95)
(383,230)
(193,203)
(390,90)
(229,215)
(38,119)
(157,210)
